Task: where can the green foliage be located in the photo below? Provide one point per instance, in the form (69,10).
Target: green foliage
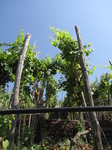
(30,70)
(34,147)
(5,121)
(101,89)
(25,139)
(25,148)
(5,144)
(67,63)
(5,125)
(51,91)
(4,98)
(91,70)
(80,125)
(47,144)
(9,59)
(71,80)
(64,144)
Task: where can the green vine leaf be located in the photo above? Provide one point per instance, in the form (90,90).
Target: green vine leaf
(5,144)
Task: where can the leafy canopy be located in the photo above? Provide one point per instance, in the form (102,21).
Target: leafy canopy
(71,80)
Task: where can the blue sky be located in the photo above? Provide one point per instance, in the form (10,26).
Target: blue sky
(94,19)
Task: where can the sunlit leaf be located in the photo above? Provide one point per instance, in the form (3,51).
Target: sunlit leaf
(5,144)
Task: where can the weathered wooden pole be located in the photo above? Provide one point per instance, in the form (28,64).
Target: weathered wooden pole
(95,127)
(15,101)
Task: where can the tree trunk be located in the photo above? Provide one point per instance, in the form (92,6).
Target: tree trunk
(95,127)
(15,102)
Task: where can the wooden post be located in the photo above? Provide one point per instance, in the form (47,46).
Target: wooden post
(15,101)
(95,127)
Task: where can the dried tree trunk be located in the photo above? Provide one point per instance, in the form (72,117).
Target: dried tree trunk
(95,127)
(77,136)
(15,102)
